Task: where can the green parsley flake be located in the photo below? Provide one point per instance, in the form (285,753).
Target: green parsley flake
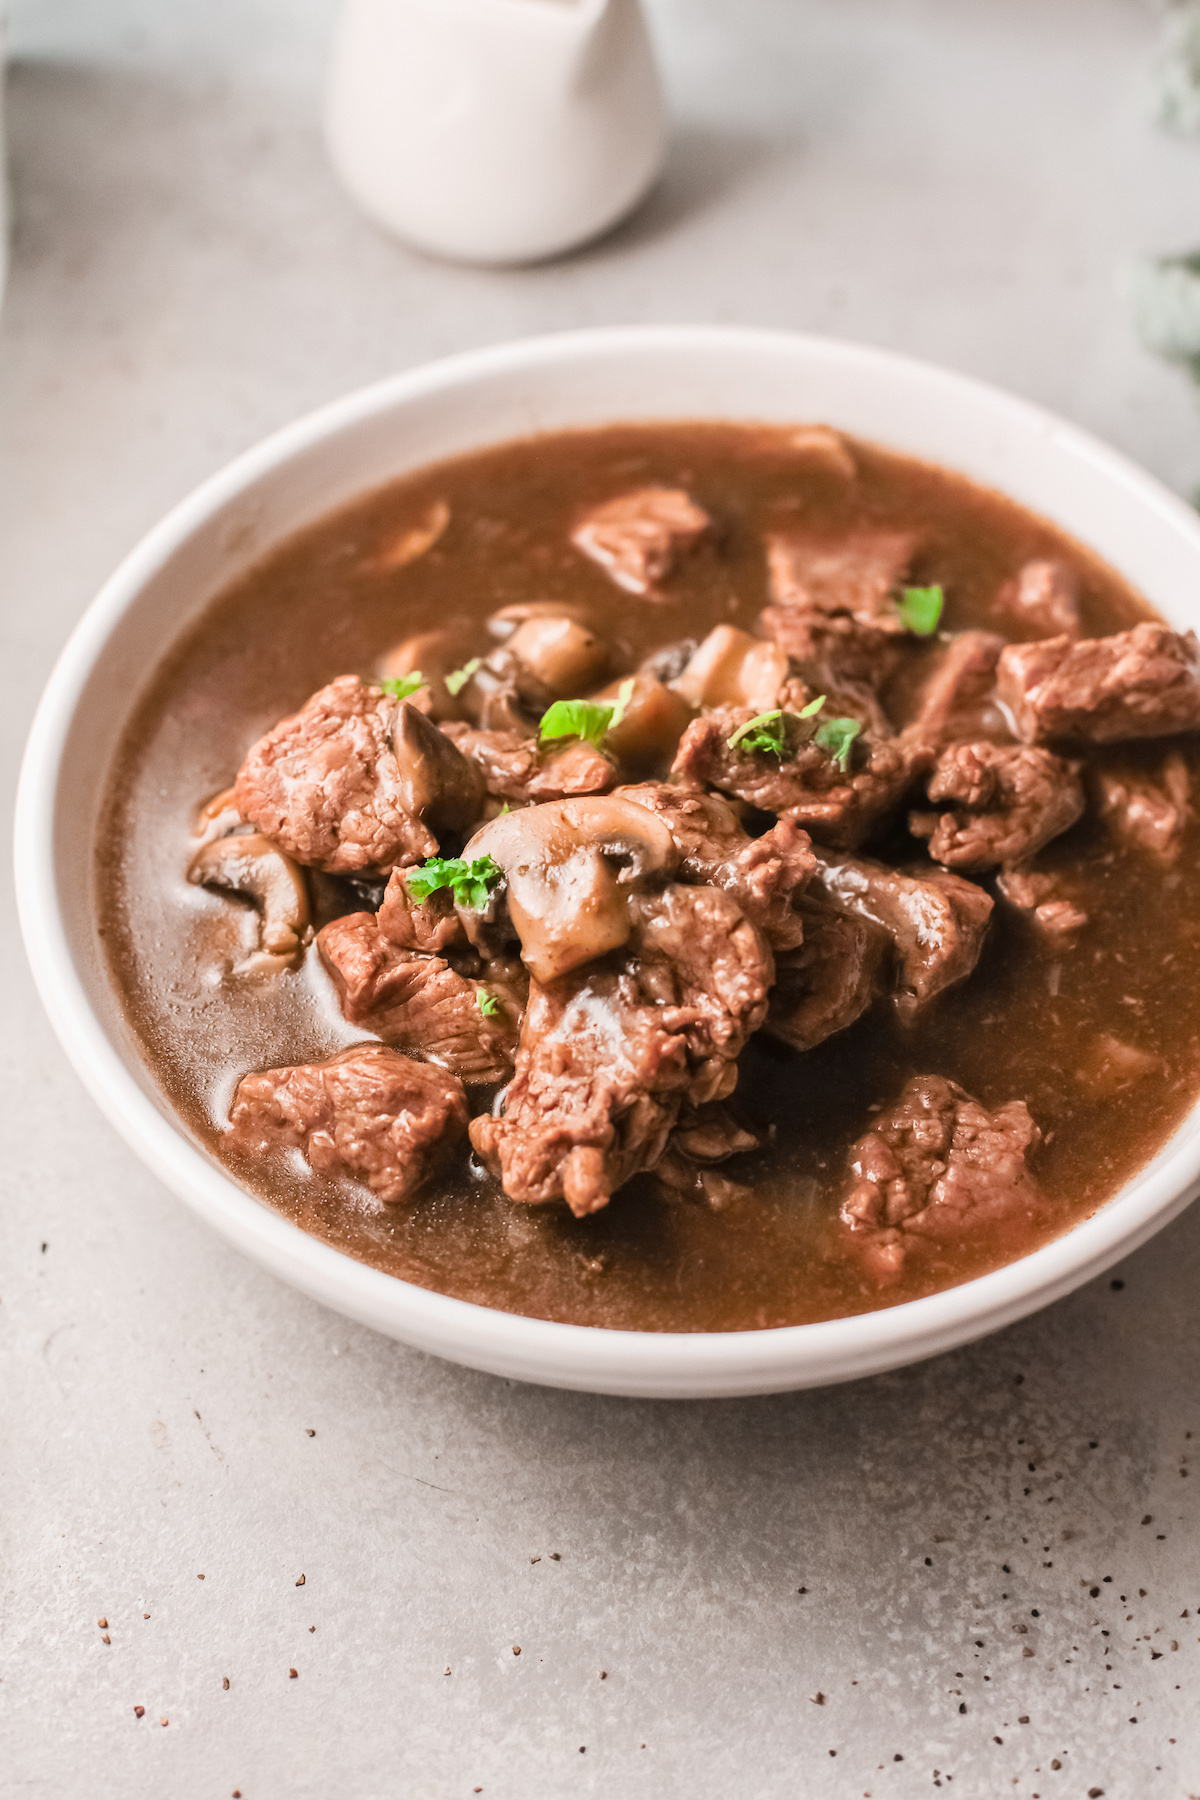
(919,609)
(470,882)
(487,1003)
(458,678)
(401,687)
(761,736)
(836,736)
(588,720)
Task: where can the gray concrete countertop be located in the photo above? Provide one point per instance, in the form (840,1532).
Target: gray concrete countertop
(979,1574)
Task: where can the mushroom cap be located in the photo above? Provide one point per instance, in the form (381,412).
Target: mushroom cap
(571,866)
(254,867)
(505,621)
(435,654)
(731,668)
(564,655)
(438,784)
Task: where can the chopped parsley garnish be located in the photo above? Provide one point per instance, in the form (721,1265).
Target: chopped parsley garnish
(587,720)
(767,734)
(764,735)
(919,609)
(401,687)
(836,736)
(470,882)
(487,1003)
(458,678)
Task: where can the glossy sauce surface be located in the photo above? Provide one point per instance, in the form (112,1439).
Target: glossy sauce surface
(1027,1025)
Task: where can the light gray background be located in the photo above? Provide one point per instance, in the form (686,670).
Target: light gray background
(964,179)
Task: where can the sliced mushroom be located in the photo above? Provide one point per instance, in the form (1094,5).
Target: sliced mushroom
(412,540)
(217,817)
(437,782)
(651,725)
(731,668)
(436,654)
(825,449)
(503,624)
(571,866)
(254,867)
(561,654)
(502,696)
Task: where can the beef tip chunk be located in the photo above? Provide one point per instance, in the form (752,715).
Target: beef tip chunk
(515,769)
(420,1003)
(937,921)
(808,783)
(959,698)
(832,605)
(850,577)
(1143,683)
(765,875)
(938,1165)
(1040,894)
(611,1052)
(836,654)
(326,788)
(1012,799)
(638,538)
(1149,812)
(369,1113)
(829,982)
(705,1137)
(711,1134)
(430,927)
(1042,598)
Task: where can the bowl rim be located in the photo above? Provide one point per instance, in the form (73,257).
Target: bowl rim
(591,1358)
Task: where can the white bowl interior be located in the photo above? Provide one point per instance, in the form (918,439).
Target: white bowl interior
(577,379)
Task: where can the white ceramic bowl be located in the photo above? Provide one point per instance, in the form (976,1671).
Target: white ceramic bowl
(584,378)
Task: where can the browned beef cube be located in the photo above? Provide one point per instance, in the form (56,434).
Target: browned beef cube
(419,1003)
(711,1134)
(853,576)
(368,1113)
(1011,798)
(704,1137)
(638,537)
(429,926)
(839,654)
(959,698)
(1042,598)
(609,1054)
(325,785)
(1143,683)
(1051,910)
(937,921)
(821,988)
(808,784)
(832,606)
(765,875)
(938,1165)
(1149,812)
(515,769)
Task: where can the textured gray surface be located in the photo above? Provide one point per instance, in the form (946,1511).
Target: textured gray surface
(961,178)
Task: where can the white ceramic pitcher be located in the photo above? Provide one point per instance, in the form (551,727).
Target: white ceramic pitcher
(495,131)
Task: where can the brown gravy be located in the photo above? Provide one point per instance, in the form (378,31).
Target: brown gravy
(1025,1026)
